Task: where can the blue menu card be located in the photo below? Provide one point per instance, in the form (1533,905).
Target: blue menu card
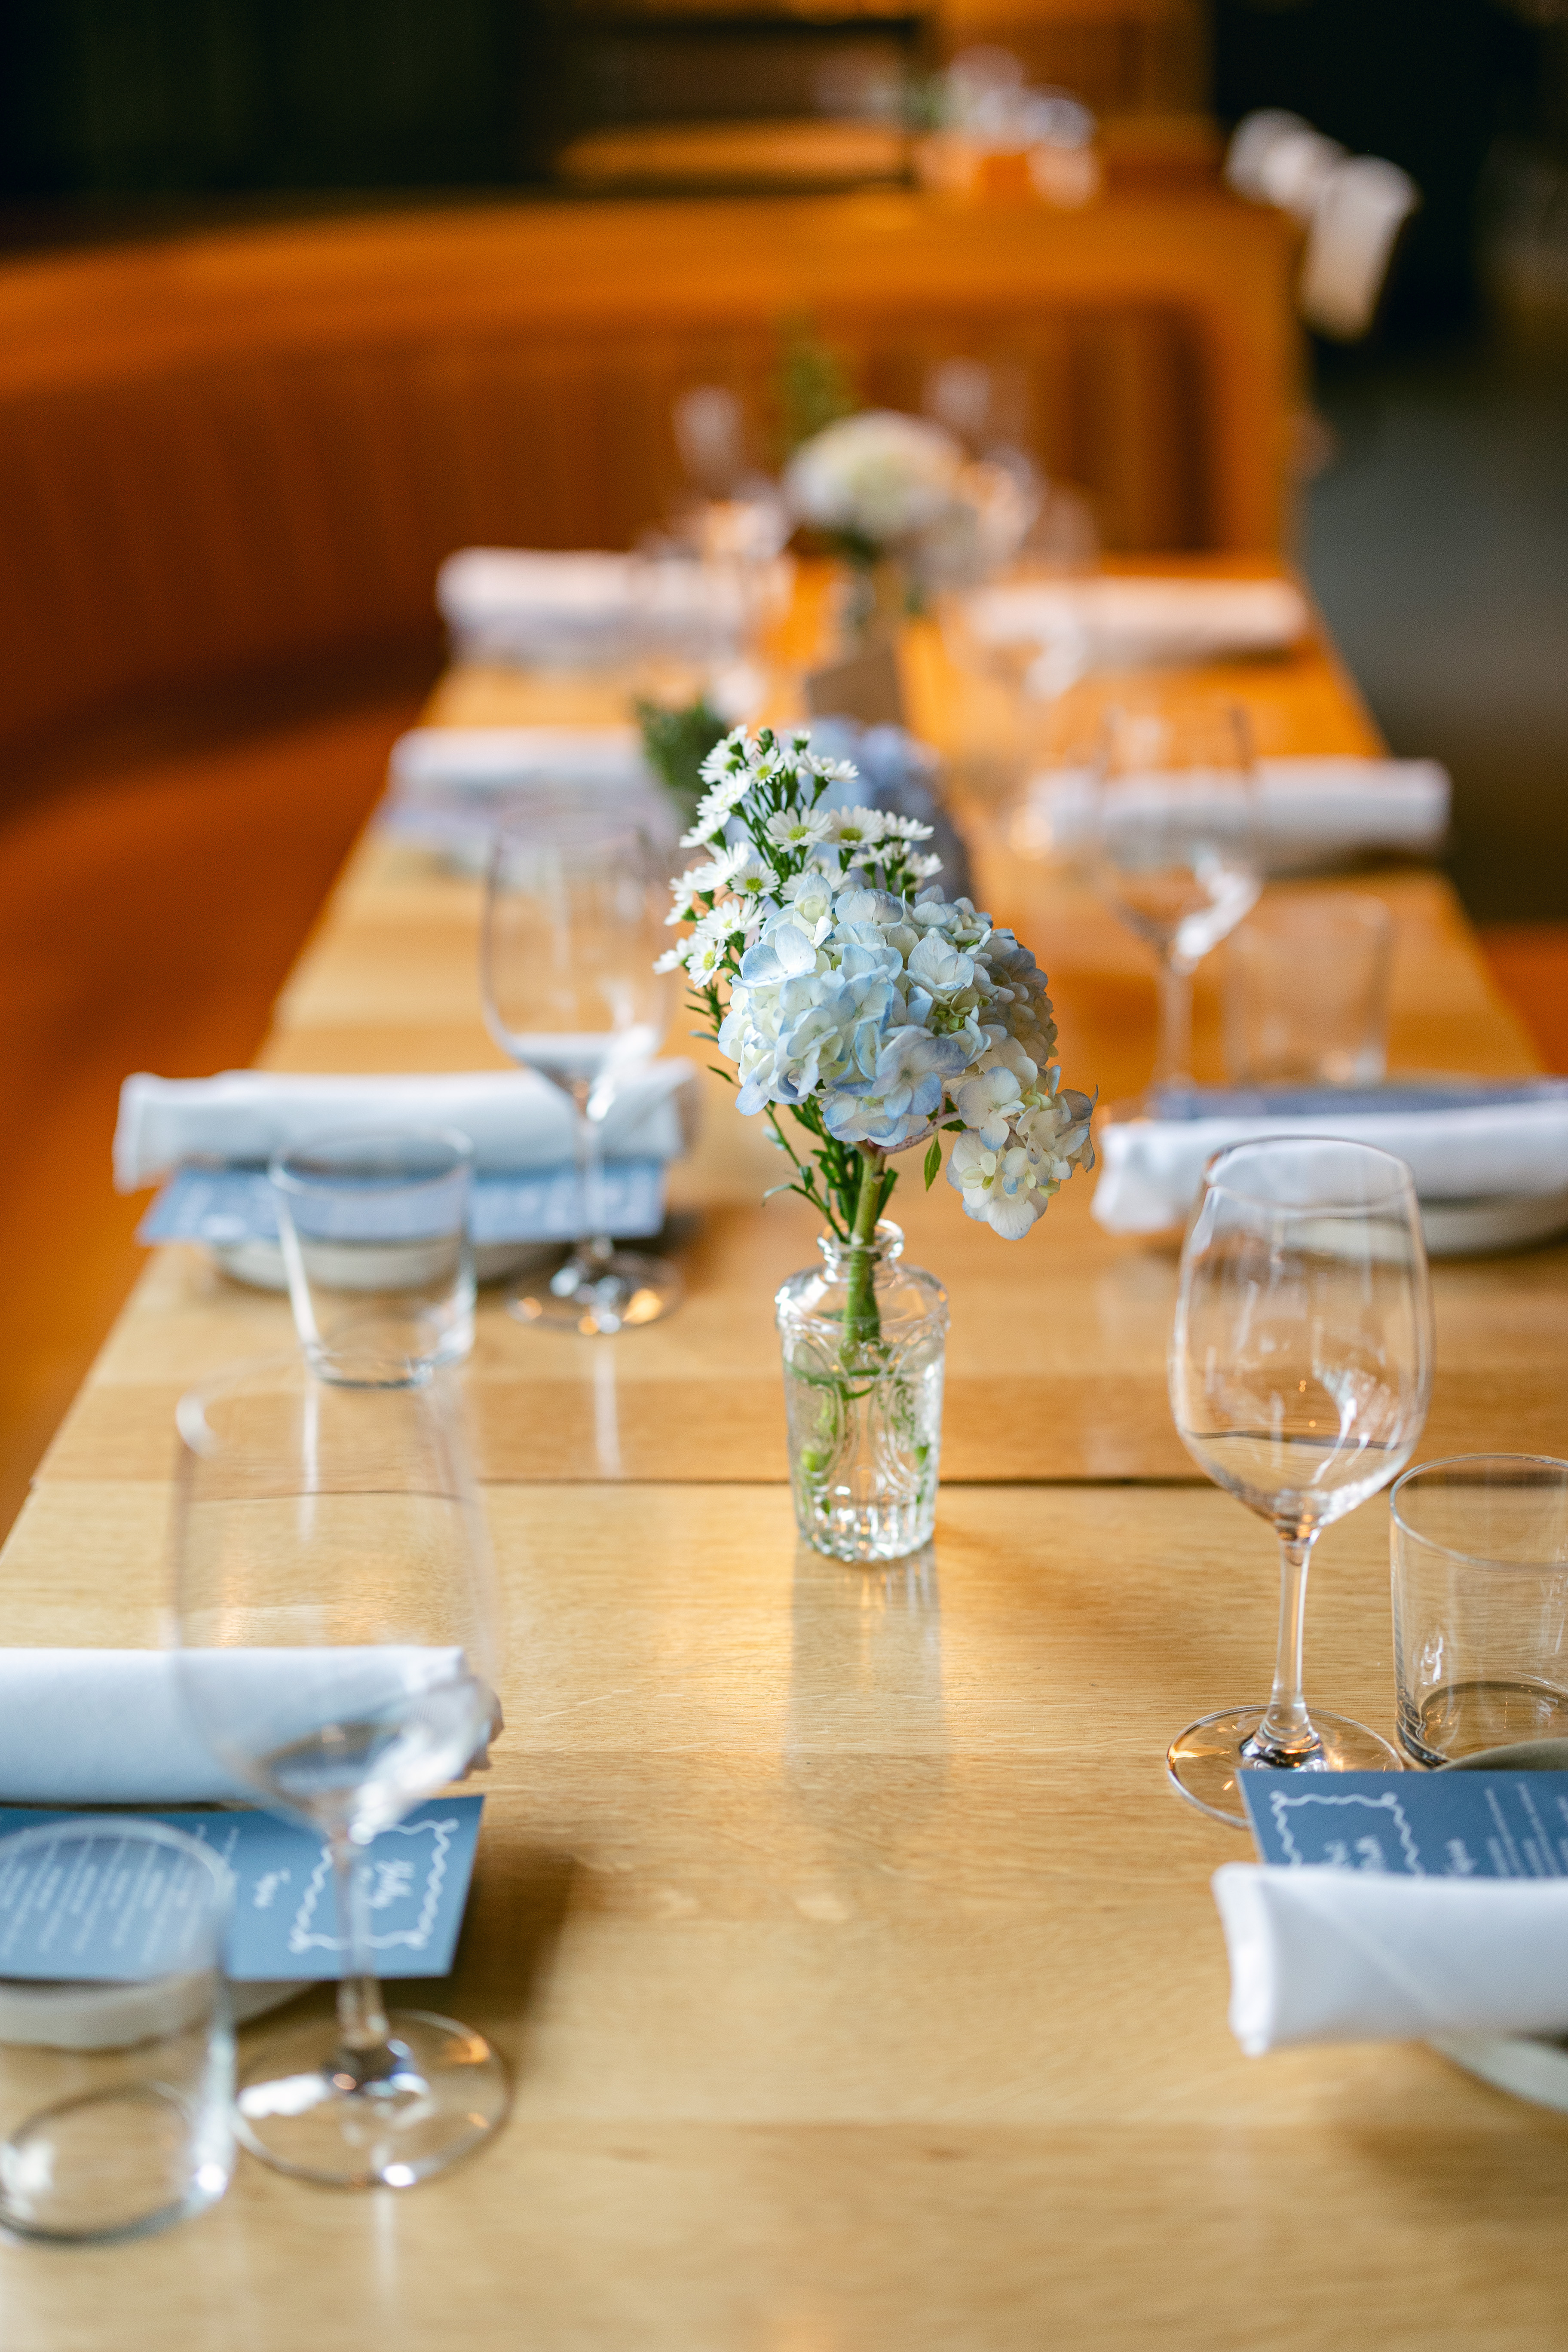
(58,1923)
(1415,1824)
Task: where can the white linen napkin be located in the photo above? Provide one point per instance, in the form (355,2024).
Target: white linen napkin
(1325,1955)
(514,1120)
(1459,1143)
(1126,620)
(482,761)
(539,607)
(109,1727)
(449,786)
(1309,811)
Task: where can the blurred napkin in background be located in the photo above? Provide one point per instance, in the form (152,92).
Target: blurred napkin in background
(1310,811)
(448,787)
(1127,623)
(515,1120)
(586,610)
(1469,1140)
(485,761)
(513,605)
(1322,1954)
(109,1727)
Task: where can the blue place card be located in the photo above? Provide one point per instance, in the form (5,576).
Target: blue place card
(1413,1824)
(53,1924)
(224,1207)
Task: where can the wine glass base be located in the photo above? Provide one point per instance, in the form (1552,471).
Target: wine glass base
(448,2093)
(599,1295)
(1204,1759)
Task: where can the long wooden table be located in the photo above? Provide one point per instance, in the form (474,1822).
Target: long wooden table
(858,1970)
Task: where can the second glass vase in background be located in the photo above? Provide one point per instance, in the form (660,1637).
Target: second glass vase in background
(864,1340)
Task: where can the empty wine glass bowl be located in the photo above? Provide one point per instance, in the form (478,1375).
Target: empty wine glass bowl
(1480,1557)
(574,923)
(337,1654)
(1301,1368)
(1174,847)
(375,1233)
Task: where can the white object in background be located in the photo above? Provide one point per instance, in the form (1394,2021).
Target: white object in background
(1275,158)
(1361,209)
(1151,1168)
(588,610)
(1128,621)
(514,1120)
(487,761)
(515,604)
(108,1727)
(449,785)
(1325,1955)
(1309,811)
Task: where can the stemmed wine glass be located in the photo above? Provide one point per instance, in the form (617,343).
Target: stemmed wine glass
(573,924)
(1174,847)
(336,1631)
(1300,1367)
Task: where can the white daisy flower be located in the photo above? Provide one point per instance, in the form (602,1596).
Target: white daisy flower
(799,828)
(905,828)
(673,958)
(857,828)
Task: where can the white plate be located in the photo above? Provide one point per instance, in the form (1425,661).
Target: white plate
(1508,1221)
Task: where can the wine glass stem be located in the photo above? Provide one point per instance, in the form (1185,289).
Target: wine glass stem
(1173,1054)
(362,2015)
(1286,1731)
(595,1243)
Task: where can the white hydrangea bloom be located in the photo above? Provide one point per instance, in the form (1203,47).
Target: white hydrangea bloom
(886,1016)
(881,475)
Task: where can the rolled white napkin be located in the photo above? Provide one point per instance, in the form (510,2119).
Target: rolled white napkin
(487,761)
(1122,622)
(108,1727)
(515,1120)
(1309,811)
(1326,1955)
(449,786)
(1498,1140)
(534,606)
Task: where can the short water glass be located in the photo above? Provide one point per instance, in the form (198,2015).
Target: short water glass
(1306,1000)
(374,1231)
(116,2046)
(1479,1548)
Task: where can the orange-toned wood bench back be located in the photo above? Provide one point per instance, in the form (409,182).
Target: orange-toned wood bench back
(233,449)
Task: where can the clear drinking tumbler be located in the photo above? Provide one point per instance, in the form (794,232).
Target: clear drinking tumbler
(374,1231)
(1479,1550)
(116,2048)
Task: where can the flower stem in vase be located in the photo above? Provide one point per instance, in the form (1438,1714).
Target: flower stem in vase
(862,1323)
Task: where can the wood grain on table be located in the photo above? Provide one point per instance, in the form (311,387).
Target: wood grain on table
(859,1973)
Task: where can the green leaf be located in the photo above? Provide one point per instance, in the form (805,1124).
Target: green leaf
(933,1161)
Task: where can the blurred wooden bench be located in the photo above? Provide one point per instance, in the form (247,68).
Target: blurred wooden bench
(252,449)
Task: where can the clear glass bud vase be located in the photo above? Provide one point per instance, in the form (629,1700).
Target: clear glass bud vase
(863,1342)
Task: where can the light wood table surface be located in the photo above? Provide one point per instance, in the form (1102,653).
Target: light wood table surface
(859,1973)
